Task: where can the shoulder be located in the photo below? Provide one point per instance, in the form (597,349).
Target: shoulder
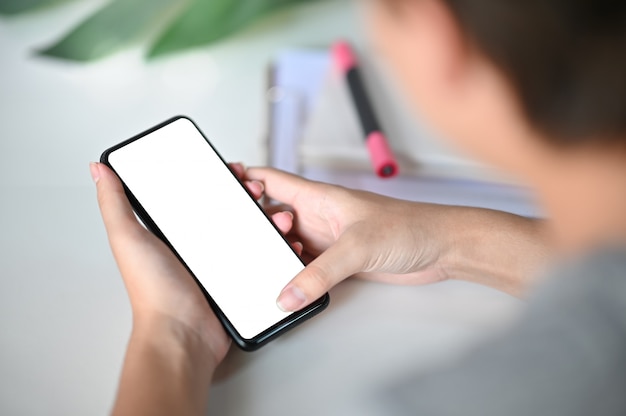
(565,356)
(594,282)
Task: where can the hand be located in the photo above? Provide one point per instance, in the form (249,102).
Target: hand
(159,287)
(347,232)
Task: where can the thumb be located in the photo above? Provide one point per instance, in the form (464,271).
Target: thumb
(340,261)
(119,218)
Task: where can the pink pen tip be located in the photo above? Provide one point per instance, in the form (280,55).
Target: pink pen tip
(381,155)
(343,56)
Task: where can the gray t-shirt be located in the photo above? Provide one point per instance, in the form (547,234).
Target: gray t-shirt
(566,356)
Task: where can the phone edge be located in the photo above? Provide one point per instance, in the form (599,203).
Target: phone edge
(245,344)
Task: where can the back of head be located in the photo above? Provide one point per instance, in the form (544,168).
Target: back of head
(566,60)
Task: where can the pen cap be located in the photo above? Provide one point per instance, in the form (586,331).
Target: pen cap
(343,56)
(382,158)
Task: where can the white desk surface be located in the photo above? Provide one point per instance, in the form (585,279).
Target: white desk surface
(64,315)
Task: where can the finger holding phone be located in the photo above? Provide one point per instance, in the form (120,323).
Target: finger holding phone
(347,233)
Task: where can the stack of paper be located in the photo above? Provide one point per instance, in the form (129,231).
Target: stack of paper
(314,132)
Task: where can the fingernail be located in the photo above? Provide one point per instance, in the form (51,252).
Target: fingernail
(94,169)
(291,299)
(289,213)
(298,247)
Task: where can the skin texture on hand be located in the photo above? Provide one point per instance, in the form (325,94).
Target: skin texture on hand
(346,232)
(355,233)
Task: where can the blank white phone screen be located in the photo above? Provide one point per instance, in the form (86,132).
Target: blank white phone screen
(210,220)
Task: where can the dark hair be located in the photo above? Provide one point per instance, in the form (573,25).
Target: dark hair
(566,60)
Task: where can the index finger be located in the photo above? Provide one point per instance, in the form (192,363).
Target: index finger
(279,185)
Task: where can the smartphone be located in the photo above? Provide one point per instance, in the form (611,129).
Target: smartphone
(185,193)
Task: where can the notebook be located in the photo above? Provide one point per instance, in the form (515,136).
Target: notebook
(314,132)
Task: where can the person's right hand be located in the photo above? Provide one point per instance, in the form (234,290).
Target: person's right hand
(346,232)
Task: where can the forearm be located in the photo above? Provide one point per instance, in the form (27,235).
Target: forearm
(496,249)
(167,371)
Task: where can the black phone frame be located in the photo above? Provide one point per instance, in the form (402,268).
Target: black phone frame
(246,344)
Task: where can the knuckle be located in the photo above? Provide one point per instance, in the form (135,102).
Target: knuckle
(317,280)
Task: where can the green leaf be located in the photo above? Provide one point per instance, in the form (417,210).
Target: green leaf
(206,21)
(10,7)
(111,28)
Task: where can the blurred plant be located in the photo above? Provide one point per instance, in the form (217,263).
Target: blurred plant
(175,24)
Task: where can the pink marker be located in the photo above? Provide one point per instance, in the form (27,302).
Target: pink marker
(382,158)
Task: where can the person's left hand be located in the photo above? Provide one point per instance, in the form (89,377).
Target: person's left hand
(159,287)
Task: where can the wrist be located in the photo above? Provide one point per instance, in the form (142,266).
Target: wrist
(167,370)
(495,249)
(175,340)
